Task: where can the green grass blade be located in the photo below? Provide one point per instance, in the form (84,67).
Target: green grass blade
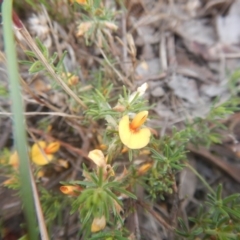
(19,121)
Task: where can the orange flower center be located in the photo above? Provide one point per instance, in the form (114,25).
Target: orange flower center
(137,123)
(47,151)
(133,129)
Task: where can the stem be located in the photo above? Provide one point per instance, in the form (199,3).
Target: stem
(201,178)
(219,233)
(19,128)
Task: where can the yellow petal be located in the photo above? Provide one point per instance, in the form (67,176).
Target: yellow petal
(145,151)
(124,150)
(52,147)
(103,146)
(98,224)
(37,154)
(139,119)
(124,131)
(79,1)
(73,80)
(49,128)
(70,190)
(14,160)
(139,139)
(83,28)
(9,181)
(133,140)
(41,160)
(144,168)
(40,174)
(97,157)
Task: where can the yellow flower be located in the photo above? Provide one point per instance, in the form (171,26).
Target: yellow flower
(14,160)
(71,78)
(98,158)
(131,134)
(98,224)
(82,2)
(71,190)
(40,174)
(42,153)
(144,168)
(10,181)
(83,28)
(52,147)
(14,163)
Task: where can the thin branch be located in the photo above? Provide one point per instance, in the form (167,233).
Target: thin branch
(155,215)
(43,60)
(44,113)
(230,169)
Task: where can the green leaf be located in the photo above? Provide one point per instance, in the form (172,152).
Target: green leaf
(112,195)
(85,195)
(183,234)
(23,62)
(36,67)
(233,212)
(53,58)
(195,220)
(231,198)
(182,225)
(60,63)
(121,190)
(197,231)
(219,192)
(87,217)
(42,48)
(221,221)
(94,178)
(100,177)
(83,183)
(30,53)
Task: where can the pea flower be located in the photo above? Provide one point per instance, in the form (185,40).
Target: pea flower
(144,168)
(14,160)
(14,163)
(82,2)
(131,134)
(98,158)
(42,153)
(98,224)
(71,190)
(10,181)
